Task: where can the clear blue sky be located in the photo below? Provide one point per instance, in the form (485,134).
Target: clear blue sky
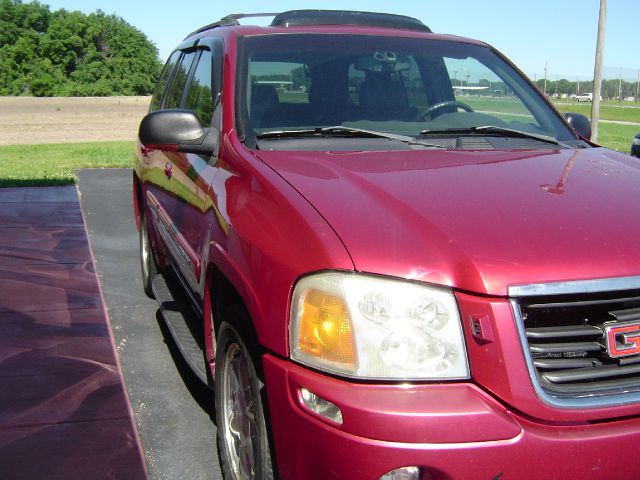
(560,33)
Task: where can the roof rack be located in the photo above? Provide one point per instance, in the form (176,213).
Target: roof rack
(231,20)
(348,17)
(294,18)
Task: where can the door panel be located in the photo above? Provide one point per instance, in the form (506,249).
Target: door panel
(189,175)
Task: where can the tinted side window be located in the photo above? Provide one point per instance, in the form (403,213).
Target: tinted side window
(200,96)
(156,100)
(179,80)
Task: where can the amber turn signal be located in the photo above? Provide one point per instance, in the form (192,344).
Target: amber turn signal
(325,329)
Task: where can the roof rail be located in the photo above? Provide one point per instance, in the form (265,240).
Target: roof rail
(294,18)
(230,20)
(348,17)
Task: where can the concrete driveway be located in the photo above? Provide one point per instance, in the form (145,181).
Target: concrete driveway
(173,410)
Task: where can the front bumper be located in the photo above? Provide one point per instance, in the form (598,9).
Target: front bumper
(452,431)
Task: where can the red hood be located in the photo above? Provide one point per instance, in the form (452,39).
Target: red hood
(477,221)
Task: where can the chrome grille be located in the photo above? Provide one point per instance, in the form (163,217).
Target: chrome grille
(567,347)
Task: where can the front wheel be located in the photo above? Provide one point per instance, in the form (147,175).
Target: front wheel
(243,441)
(148,265)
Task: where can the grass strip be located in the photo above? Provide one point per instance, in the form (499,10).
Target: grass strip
(55,164)
(618,111)
(616,137)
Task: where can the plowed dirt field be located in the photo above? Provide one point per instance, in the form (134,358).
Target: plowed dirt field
(29,120)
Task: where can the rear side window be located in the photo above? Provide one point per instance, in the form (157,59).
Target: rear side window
(156,100)
(200,94)
(179,81)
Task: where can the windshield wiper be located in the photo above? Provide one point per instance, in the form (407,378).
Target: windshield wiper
(492,129)
(341,131)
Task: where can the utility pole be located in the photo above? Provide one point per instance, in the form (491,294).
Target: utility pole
(620,85)
(637,86)
(597,71)
(545,78)
(577,85)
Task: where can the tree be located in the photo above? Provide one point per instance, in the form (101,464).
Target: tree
(48,53)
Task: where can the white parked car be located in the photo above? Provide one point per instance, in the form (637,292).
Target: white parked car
(586,97)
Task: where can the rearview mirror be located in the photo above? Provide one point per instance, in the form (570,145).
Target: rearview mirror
(579,123)
(177,130)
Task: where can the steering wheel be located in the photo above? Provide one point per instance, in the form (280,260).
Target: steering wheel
(437,106)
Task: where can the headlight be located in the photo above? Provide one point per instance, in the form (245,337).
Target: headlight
(635,141)
(377,328)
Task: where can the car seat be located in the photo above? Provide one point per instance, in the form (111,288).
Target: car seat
(382,97)
(264,103)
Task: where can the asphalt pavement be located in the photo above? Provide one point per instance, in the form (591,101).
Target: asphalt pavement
(174,412)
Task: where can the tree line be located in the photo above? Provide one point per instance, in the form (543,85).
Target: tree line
(63,53)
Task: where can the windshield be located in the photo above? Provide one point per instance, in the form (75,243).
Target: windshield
(298,84)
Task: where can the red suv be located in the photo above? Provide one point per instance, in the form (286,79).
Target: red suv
(389,256)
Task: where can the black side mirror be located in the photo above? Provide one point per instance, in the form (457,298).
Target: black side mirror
(580,124)
(178,130)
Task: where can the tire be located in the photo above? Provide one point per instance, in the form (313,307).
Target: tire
(242,435)
(148,266)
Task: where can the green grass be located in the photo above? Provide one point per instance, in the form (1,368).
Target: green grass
(616,137)
(619,111)
(494,104)
(55,164)
(610,110)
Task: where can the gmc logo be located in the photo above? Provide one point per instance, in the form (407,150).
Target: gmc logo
(623,339)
